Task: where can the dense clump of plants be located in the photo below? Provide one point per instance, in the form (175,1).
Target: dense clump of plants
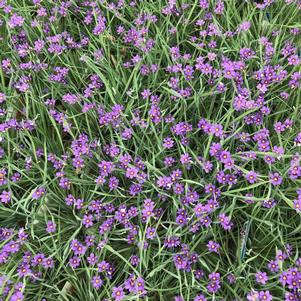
(150,150)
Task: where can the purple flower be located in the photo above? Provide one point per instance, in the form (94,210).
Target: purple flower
(213,287)
(38,259)
(5,197)
(11,247)
(88,220)
(131,172)
(273,266)
(127,134)
(16,21)
(18,296)
(225,156)
(172,242)
(74,262)
(164,182)
(139,286)
(185,159)
(225,221)
(103,266)
(113,183)
(70,98)
(134,260)
(106,167)
(200,298)
(261,277)
(79,204)
(100,180)
(70,200)
(275,178)
(118,293)
(150,233)
(214,277)
(168,143)
(24,270)
(51,227)
(269,203)
(97,282)
(265,296)
(216,130)
(92,259)
(297,204)
(279,127)
(294,60)
(253,296)
(251,177)
(77,247)
(48,262)
(65,183)
(213,246)
(281,255)
(231,278)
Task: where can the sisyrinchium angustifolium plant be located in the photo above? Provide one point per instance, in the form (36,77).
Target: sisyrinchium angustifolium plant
(150,150)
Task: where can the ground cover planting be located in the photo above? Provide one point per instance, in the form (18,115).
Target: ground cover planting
(150,150)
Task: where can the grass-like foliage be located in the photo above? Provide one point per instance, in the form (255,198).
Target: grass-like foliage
(150,150)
